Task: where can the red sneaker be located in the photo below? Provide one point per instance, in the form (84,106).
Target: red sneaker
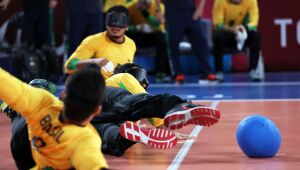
(179,78)
(208,79)
(155,138)
(187,113)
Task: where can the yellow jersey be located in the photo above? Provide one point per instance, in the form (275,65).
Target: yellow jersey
(100,46)
(227,13)
(127,82)
(136,17)
(54,144)
(110,3)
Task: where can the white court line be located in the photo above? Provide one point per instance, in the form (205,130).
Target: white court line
(251,100)
(228,84)
(246,84)
(220,84)
(187,144)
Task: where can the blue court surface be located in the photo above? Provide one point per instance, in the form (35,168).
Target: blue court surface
(236,87)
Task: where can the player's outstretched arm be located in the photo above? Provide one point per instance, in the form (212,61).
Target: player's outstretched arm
(22,97)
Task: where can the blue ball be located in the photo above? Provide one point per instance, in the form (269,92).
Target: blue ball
(258,137)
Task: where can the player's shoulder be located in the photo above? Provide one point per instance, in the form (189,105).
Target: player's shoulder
(129,41)
(124,75)
(95,37)
(127,75)
(120,76)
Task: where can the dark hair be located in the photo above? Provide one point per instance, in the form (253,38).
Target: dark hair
(125,67)
(136,71)
(84,93)
(118,9)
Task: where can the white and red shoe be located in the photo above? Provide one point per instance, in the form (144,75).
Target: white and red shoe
(155,138)
(187,113)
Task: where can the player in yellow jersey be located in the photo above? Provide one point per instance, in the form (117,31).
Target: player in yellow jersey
(20,144)
(60,133)
(235,26)
(108,48)
(126,99)
(133,78)
(147,30)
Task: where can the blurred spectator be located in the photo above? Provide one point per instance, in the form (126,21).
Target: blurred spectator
(4,4)
(183,17)
(235,25)
(36,58)
(147,31)
(108,48)
(36,21)
(110,3)
(85,18)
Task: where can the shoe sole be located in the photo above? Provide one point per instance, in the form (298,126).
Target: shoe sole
(203,116)
(155,138)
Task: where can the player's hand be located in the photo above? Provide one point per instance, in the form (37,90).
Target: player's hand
(241,28)
(199,10)
(145,28)
(241,33)
(241,36)
(230,29)
(4,3)
(52,3)
(197,14)
(106,65)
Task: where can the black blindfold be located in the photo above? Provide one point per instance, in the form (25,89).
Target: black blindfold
(116,20)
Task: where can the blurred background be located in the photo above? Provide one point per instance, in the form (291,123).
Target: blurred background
(279,25)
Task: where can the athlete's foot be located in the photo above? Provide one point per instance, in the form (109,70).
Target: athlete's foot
(187,113)
(155,138)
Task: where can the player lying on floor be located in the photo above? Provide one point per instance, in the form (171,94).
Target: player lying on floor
(110,130)
(122,104)
(134,79)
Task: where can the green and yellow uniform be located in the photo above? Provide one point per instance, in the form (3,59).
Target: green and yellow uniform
(55,145)
(127,82)
(136,17)
(110,3)
(227,13)
(100,46)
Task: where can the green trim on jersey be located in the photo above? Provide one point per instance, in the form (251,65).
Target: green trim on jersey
(122,86)
(73,63)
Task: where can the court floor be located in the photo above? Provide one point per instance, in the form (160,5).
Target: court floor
(215,147)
